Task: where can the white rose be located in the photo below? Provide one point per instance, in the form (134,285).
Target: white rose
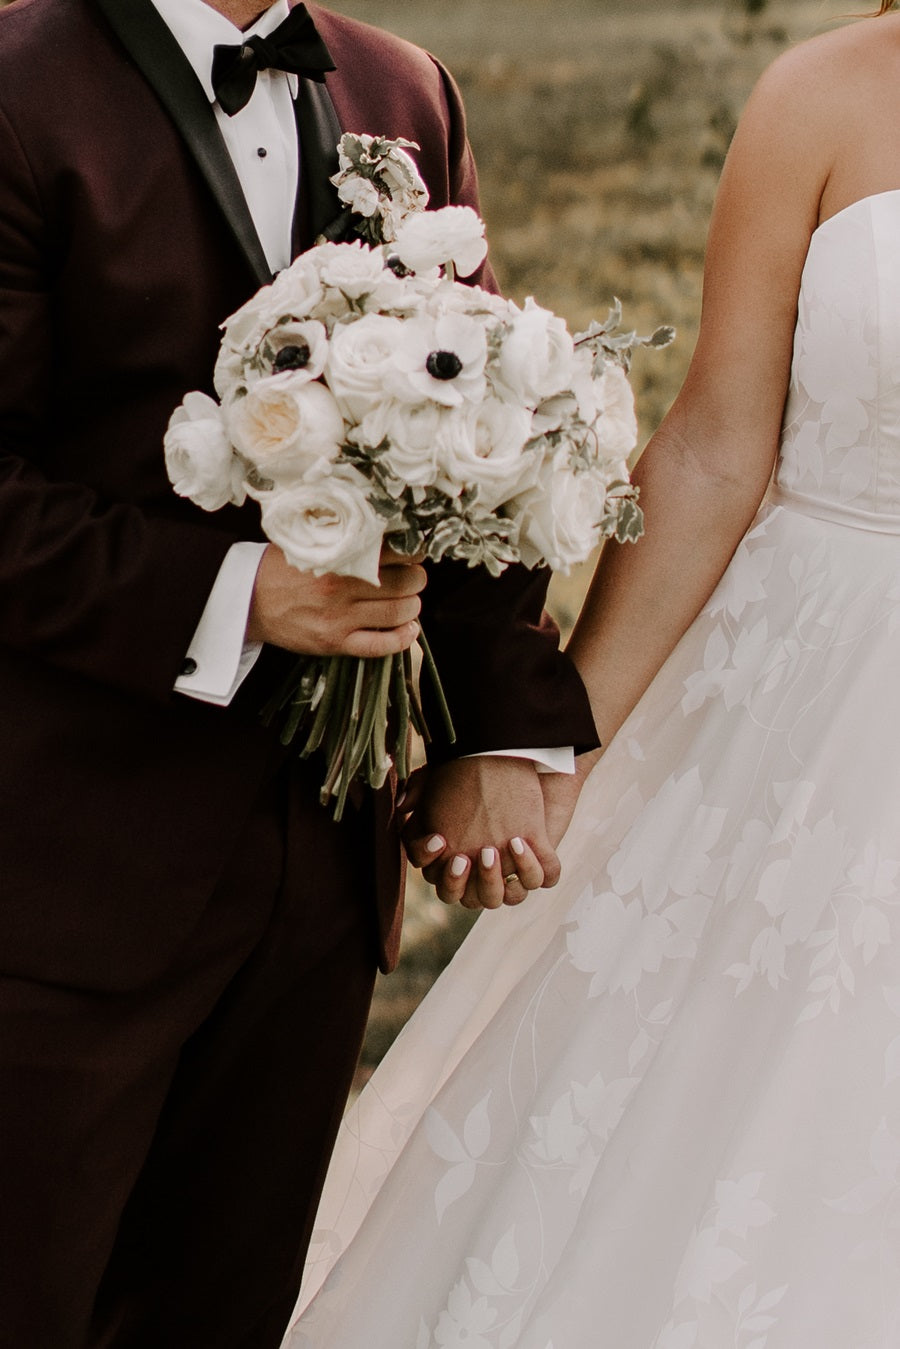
(616,426)
(434,238)
(326,525)
(423,438)
(536,357)
(559,518)
(286,426)
(360,359)
(199,458)
(353,269)
(296,289)
(582,400)
(440,359)
(491,455)
(412,432)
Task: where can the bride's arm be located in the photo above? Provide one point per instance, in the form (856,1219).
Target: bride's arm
(706,469)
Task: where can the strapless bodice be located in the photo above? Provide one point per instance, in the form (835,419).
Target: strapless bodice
(840,444)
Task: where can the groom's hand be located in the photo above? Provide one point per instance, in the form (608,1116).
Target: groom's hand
(477,830)
(336,615)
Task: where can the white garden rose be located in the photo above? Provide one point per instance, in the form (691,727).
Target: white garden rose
(559,518)
(199,459)
(326,525)
(360,361)
(616,425)
(434,238)
(353,269)
(491,455)
(440,359)
(536,359)
(286,426)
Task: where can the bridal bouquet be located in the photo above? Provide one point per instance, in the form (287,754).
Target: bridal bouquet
(368,398)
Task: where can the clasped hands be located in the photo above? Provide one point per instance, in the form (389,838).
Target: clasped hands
(484,830)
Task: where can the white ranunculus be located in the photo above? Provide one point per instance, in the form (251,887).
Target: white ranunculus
(491,455)
(286,426)
(199,459)
(353,269)
(434,238)
(360,361)
(326,525)
(536,357)
(440,359)
(616,425)
(559,518)
(454,297)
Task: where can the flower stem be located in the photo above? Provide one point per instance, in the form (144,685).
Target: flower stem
(443,707)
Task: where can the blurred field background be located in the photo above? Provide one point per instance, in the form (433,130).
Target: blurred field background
(600,128)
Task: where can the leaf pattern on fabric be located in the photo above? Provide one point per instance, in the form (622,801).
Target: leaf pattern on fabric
(658,1107)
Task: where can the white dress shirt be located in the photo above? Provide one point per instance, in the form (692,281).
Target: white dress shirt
(262,142)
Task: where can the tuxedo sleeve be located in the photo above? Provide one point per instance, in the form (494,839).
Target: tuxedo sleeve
(508,684)
(103,589)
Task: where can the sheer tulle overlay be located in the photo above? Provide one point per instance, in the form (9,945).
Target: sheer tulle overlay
(659,1107)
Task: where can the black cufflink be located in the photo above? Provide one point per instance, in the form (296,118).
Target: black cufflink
(188,666)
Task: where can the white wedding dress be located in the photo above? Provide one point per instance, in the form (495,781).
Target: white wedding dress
(659,1106)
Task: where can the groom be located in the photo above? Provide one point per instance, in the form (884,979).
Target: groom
(187,941)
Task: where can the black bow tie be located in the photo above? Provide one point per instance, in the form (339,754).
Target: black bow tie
(294,45)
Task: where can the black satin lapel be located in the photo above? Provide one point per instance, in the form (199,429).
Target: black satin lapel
(318,204)
(153,49)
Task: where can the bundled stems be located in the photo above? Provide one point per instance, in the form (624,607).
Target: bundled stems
(346,707)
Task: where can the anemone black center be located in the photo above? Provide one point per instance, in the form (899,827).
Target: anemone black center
(292,358)
(397,267)
(443,365)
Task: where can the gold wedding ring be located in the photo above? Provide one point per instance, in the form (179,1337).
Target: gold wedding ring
(513,876)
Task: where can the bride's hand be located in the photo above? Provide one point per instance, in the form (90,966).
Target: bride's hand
(477,830)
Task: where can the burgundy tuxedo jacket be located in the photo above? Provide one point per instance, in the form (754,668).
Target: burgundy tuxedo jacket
(124,242)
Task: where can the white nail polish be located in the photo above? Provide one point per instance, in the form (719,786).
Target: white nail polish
(517,846)
(487,857)
(458,866)
(435,844)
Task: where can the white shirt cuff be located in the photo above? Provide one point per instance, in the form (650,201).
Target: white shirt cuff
(555,760)
(218,659)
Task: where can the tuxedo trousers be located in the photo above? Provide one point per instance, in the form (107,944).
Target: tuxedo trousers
(162,1150)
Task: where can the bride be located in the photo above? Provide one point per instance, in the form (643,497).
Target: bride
(659,1107)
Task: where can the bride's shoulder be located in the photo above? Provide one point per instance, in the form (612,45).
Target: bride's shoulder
(835,69)
(817,102)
